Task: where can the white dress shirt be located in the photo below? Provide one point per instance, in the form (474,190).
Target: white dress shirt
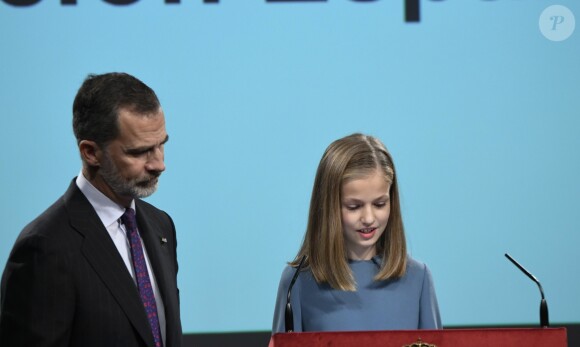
(110,214)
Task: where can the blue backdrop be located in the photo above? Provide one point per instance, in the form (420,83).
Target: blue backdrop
(477,100)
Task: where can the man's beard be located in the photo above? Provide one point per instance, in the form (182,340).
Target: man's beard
(141,187)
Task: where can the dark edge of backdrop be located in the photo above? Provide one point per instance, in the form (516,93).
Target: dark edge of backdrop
(261,338)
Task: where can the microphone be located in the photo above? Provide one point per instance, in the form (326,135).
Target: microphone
(288,315)
(544,321)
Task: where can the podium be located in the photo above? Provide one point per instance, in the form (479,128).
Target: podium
(509,337)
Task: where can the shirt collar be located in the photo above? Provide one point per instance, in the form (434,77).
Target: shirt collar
(108,211)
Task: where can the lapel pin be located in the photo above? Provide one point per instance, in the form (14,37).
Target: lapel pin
(163,240)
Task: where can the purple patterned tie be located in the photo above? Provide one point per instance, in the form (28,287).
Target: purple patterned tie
(143,282)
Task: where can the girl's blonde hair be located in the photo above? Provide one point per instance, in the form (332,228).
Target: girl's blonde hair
(351,157)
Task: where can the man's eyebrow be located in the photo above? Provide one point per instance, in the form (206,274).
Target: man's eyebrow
(142,149)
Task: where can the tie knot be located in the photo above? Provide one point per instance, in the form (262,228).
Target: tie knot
(128,218)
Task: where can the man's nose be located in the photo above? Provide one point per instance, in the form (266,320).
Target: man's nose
(155,161)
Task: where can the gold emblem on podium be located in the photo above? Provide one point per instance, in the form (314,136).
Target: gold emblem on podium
(420,343)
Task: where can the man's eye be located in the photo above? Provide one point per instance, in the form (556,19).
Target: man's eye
(139,153)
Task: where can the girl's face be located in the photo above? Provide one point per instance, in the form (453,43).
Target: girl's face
(365,210)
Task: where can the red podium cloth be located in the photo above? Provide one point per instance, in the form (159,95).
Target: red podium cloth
(544,337)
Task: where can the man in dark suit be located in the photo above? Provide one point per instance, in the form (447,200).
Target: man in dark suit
(99,266)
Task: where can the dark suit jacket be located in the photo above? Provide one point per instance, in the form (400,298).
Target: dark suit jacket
(65,283)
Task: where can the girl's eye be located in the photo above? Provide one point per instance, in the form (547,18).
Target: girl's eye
(352,207)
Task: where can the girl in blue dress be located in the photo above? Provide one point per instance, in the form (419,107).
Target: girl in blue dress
(356,273)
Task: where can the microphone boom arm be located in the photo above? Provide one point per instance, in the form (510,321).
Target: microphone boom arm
(544,320)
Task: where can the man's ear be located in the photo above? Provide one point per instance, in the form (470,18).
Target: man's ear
(90,153)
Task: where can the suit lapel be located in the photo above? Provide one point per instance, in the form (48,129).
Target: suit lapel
(158,236)
(153,231)
(152,235)
(101,253)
